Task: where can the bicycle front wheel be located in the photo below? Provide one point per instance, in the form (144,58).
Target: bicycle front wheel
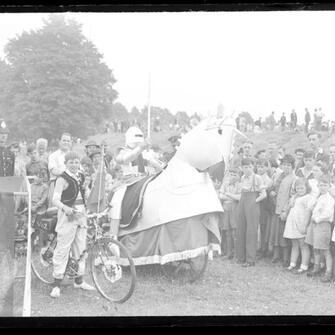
(114,282)
(42,266)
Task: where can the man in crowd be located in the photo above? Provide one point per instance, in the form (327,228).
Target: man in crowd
(7,158)
(307,120)
(42,146)
(314,141)
(283,122)
(299,162)
(294,119)
(20,164)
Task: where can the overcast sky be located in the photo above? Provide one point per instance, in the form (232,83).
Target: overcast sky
(253,61)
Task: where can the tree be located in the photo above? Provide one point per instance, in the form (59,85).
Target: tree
(58,81)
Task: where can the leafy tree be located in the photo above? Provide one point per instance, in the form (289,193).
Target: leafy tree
(57,81)
(183,119)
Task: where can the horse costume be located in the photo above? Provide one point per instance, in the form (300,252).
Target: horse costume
(174,215)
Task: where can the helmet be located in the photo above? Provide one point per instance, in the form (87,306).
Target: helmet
(134,135)
(3,127)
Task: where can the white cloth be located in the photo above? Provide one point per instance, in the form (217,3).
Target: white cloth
(313,183)
(56,160)
(324,208)
(299,217)
(180,191)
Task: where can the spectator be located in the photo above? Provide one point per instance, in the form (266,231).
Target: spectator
(282,190)
(253,191)
(314,141)
(301,206)
(306,171)
(283,122)
(299,161)
(307,120)
(319,231)
(19,165)
(42,146)
(35,164)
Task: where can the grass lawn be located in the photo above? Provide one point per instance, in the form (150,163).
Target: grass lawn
(225,289)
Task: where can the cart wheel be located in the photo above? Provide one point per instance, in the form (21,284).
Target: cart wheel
(189,270)
(42,268)
(114,282)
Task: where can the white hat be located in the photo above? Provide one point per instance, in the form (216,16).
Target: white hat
(134,135)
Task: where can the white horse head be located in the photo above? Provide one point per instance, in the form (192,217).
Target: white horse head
(210,142)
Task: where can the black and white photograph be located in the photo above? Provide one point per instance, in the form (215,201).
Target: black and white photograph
(167,163)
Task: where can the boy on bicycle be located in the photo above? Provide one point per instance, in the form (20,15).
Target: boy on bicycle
(71,228)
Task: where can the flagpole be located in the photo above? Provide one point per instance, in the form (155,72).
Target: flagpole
(100,178)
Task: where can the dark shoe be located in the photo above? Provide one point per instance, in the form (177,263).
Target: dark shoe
(327,278)
(286,264)
(248,264)
(275,260)
(239,261)
(230,257)
(314,273)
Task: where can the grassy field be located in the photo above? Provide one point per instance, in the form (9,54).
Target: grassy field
(225,289)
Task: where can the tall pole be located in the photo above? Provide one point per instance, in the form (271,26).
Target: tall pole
(149,107)
(27,285)
(100,177)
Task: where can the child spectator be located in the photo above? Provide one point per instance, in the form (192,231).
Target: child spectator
(248,213)
(261,166)
(230,194)
(309,162)
(301,206)
(39,193)
(282,190)
(319,230)
(299,159)
(317,172)
(35,164)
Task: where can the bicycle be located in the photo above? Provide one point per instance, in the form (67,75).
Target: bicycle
(114,282)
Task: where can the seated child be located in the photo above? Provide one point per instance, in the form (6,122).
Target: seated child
(301,206)
(230,193)
(319,230)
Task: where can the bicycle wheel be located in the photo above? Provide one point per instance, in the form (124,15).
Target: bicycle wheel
(41,267)
(189,270)
(114,282)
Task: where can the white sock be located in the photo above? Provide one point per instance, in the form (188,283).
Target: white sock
(292,265)
(303,267)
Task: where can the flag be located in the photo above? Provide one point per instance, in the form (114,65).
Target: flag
(96,201)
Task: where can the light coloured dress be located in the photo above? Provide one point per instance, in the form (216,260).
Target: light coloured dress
(299,217)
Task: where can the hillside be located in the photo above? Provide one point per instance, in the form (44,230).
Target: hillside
(289,140)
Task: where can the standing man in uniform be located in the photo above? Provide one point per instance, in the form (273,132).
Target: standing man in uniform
(7,158)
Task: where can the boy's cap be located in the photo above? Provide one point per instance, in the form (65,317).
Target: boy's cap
(92,143)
